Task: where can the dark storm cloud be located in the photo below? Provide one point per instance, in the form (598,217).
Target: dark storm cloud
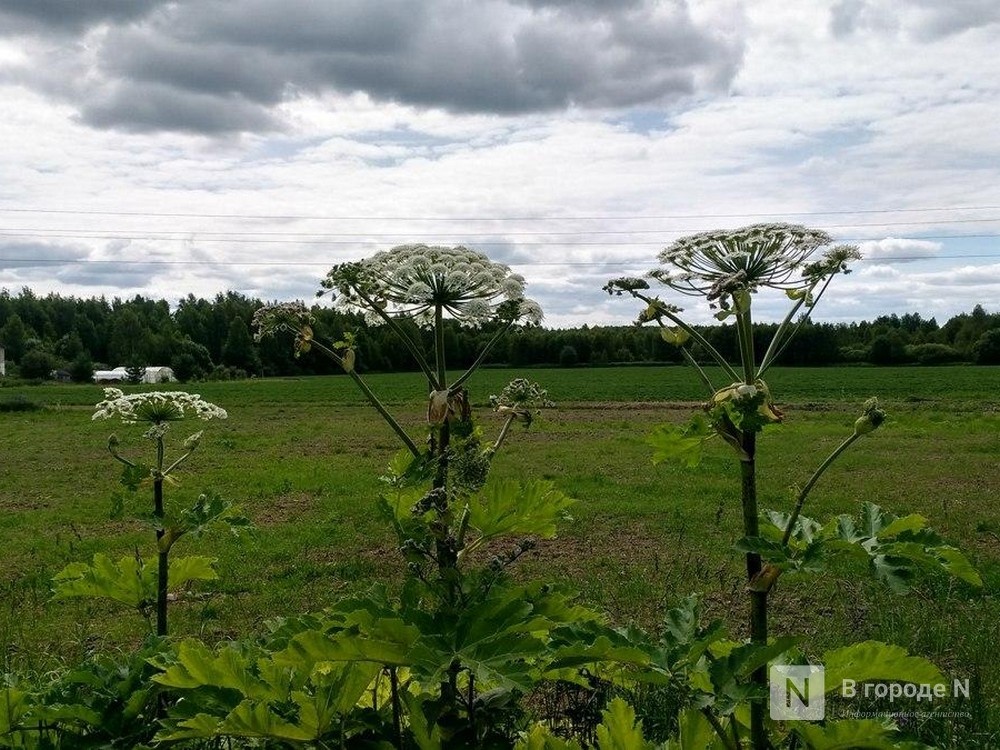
(152,106)
(69,15)
(212,66)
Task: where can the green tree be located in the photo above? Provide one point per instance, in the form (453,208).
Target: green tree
(239,350)
(37,364)
(14,337)
(986,350)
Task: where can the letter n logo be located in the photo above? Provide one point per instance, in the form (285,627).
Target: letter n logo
(797,692)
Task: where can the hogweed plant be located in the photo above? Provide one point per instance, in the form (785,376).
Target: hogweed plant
(130,580)
(445,664)
(727,269)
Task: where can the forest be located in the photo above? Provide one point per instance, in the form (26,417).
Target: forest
(212,339)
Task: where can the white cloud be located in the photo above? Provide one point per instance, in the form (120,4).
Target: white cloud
(892,109)
(899,250)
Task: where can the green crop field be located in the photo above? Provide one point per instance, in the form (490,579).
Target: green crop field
(302,458)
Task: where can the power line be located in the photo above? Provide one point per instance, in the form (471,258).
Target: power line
(326,264)
(85,232)
(314,217)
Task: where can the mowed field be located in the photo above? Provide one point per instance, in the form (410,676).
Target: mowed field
(302,457)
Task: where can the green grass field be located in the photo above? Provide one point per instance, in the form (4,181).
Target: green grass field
(302,457)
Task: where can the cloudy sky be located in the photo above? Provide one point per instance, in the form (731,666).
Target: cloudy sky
(195,146)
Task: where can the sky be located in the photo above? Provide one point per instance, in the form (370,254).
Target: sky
(199,146)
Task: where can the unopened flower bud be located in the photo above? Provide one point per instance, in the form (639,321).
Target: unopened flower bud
(871,418)
(192,442)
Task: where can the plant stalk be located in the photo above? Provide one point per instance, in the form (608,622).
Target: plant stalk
(163,556)
(804,492)
(758,599)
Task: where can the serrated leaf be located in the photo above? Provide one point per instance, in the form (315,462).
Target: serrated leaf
(197,666)
(619,729)
(183,570)
(511,508)
(681,444)
(128,581)
(873,660)
(252,719)
(540,738)
(861,734)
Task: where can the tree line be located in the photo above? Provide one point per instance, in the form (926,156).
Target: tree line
(211,339)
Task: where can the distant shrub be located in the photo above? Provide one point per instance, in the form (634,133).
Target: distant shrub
(853,354)
(986,351)
(18,402)
(933,354)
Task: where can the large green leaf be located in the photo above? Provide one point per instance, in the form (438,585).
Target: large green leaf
(129,580)
(14,707)
(540,738)
(511,508)
(864,734)
(873,660)
(195,666)
(619,729)
(671,443)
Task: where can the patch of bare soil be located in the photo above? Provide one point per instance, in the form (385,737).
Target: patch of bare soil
(284,508)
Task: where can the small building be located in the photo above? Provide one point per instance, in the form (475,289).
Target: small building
(61,376)
(159,375)
(117,375)
(152,375)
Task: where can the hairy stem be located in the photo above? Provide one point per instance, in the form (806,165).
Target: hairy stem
(804,492)
(503,433)
(758,599)
(720,730)
(163,556)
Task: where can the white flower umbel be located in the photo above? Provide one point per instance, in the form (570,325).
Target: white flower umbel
(415,281)
(716,264)
(155,407)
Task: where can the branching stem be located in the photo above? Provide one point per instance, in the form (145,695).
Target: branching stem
(804,492)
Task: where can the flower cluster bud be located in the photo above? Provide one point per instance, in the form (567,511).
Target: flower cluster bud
(872,416)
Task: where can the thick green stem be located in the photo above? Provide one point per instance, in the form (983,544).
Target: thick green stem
(712,351)
(397,723)
(744,331)
(439,347)
(720,730)
(804,492)
(758,599)
(163,556)
(503,433)
(772,348)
